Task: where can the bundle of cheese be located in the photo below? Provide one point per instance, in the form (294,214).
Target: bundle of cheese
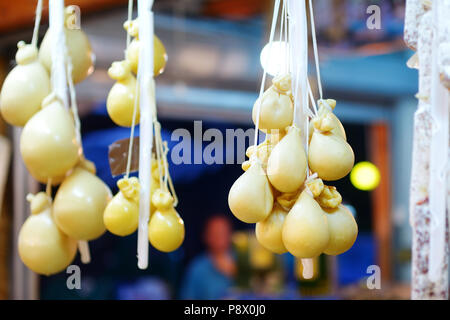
(50,143)
(292,213)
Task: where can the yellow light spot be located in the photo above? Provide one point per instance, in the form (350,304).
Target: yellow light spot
(365,176)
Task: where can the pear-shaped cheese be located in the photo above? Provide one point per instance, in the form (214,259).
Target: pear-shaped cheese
(343,230)
(42,246)
(166,228)
(286,167)
(159,58)
(24,87)
(80,203)
(78,47)
(121,215)
(276,110)
(305,230)
(132,52)
(250,198)
(121,98)
(330,156)
(48,143)
(268,231)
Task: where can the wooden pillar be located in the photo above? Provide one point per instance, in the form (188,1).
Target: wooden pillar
(379,137)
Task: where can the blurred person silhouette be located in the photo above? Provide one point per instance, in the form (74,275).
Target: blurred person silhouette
(210,275)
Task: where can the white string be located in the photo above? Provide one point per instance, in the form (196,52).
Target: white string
(130,15)
(296,80)
(282,22)
(133,124)
(37,22)
(73,100)
(313,101)
(316,54)
(286,35)
(136,97)
(263,81)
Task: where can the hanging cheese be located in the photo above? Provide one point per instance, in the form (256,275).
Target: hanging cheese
(276,109)
(329,154)
(250,198)
(305,231)
(121,215)
(25,87)
(48,143)
(166,228)
(286,166)
(80,203)
(44,248)
(132,52)
(120,102)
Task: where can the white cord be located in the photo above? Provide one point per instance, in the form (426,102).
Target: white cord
(37,22)
(263,81)
(130,16)
(316,54)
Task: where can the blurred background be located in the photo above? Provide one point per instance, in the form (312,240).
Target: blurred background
(213,74)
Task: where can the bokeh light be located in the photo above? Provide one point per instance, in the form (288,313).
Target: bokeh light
(365,176)
(274,57)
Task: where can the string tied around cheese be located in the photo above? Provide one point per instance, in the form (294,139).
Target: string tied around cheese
(316,54)
(37,23)
(308,180)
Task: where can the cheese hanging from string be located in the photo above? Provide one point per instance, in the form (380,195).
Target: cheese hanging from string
(250,198)
(281,189)
(305,230)
(132,101)
(329,154)
(43,247)
(275,105)
(121,215)
(121,98)
(48,143)
(286,166)
(132,52)
(80,202)
(166,228)
(25,87)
